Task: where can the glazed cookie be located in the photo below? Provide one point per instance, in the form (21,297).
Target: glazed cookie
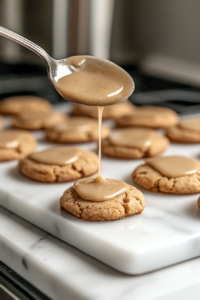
(59,164)
(134,143)
(170,174)
(22,104)
(76,130)
(187,131)
(37,120)
(149,116)
(15,144)
(129,203)
(109,112)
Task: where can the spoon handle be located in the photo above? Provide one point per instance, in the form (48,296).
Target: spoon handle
(26,43)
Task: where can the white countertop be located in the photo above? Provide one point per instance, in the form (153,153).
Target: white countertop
(62,272)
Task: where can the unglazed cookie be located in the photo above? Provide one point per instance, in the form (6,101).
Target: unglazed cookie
(21,104)
(187,131)
(149,116)
(134,143)
(15,144)
(76,130)
(127,204)
(59,164)
(170,174)
(37,120)
(109,112)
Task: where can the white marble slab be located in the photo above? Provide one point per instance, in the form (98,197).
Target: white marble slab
(62,272)
(166,233)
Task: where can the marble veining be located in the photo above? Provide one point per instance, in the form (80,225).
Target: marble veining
(62,272)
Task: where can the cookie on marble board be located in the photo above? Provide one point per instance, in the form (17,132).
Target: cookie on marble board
(129,203)
(76,130)
(38,120)
(150,117)
(171,174)
(133,143)
(187,131)
(109,112)
(16,144)
(22,104)
(59,164)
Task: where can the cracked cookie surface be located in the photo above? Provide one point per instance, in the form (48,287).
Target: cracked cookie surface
(127,204)
(148,178)
(86,164)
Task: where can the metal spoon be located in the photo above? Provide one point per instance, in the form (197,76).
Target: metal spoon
(55,68)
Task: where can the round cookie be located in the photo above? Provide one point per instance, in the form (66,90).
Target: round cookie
(130,143)
(15,144)
(187,131)
(22,104)
(76,130)
(149,116)
(109,112)
(181,175)
(37,120)
(59,164)
(127,204)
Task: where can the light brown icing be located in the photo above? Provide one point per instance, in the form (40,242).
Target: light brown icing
(99,188)
(97,82)
(174,166)
(11,138)
(78,124)
(133,137)
(56,155)
(102,190)
(193,124)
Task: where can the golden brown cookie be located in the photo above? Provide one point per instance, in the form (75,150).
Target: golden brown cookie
(187,131)
(127,204)
(23,104)
(133,143)
(76,130)
(149,116)
(15,144)
(59,164)
(109,112)
(37,120)
(151,179)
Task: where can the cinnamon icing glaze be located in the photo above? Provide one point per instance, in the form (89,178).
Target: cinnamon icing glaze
(193,124)
(56,155)
(133,137)
(174,166)
(103,189)
(97,82)
(10,138)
